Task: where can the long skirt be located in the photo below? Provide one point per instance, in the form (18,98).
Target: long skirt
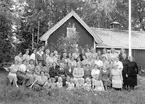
(125,79)
(132,80)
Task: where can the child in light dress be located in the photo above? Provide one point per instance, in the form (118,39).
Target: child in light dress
(12,73)
(53,83)
(87,84)
(70,84)
(59,83)
(97,85)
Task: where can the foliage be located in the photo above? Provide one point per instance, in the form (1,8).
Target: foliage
(6,49)
(96,13)
(67,44)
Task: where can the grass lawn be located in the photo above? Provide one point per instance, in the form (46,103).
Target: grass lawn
(12,95)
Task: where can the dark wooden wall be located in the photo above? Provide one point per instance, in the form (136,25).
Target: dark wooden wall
(85,37)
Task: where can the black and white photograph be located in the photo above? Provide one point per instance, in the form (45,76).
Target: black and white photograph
(72,51)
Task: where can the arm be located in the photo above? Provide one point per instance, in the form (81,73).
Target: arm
(33,83)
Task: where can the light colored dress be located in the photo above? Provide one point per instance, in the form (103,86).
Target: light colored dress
(12,74)
(87,86)
(117,79)
(59,84)
(96,84)
(70,85)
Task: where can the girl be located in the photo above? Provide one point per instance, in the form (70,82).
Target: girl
(87,85)
(104,77)
(97,84)
(59,83)
(70,84)
(12,73)
(53,84)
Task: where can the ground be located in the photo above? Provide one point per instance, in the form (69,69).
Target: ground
(12,95)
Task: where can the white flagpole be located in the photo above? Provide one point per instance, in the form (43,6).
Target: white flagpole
(130,51)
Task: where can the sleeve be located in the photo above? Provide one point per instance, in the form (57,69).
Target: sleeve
(120,66)
(136,68)
(100,75)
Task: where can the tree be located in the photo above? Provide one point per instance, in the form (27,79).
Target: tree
(67,44)
(6,49)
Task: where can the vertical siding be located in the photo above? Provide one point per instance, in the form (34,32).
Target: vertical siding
(85,37)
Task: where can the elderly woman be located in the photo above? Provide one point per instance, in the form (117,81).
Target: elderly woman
(125,63)
(132,73)
(12,73)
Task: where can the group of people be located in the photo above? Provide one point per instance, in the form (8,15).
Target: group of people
(81,69)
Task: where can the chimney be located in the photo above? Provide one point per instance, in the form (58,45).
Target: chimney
(115,25)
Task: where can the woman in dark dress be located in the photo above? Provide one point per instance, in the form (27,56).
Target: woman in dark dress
(125,62)
(53,71)
(132,73)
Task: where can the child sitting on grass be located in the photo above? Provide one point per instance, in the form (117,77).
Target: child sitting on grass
(70,83)
(53,83)
(87,84)
(97,85)
(59,83)
(40,80)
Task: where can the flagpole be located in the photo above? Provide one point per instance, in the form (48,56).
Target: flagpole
(130,50)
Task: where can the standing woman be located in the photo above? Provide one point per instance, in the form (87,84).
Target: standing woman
(125,63)
(132,73)
(116,77)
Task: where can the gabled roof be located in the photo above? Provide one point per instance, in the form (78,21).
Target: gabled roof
(62,21)
(119,38)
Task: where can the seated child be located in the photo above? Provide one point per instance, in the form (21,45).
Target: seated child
(87,85)
(53,84)
(59,83)
(70,84)
(97,85)
(80,82)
